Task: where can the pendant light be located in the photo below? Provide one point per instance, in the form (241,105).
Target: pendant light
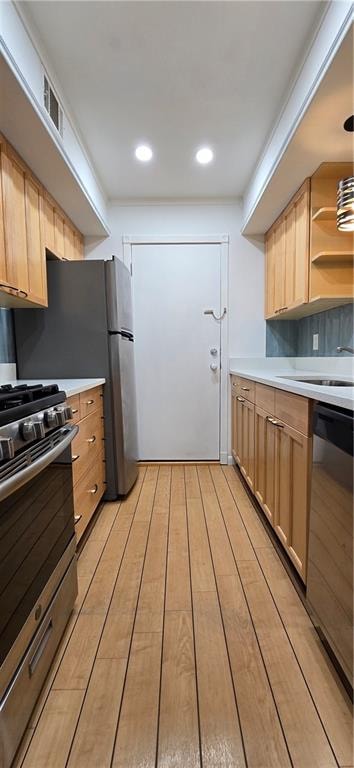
(345,193)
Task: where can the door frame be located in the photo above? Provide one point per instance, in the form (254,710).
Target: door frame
(129,241)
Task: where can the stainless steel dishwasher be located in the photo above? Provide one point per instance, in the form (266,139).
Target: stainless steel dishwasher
(330,565)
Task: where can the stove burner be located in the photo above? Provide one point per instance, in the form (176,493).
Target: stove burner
(22,400)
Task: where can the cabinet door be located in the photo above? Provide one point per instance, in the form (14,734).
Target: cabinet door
(15,223)
(58,234)
(78,246)
(69,251)
(3,268)
(302,245)
(279,265)
(290,255)
(292,469)
(37,280)
(237,426)
(269,274)
(264,483)
(247,450)
(48,224)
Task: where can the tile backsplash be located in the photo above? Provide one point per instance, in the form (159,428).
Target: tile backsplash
(7,337)
(294,338)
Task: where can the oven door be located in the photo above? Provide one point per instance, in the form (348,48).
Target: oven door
(36,528)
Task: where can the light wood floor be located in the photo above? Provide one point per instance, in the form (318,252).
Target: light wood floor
(189,645)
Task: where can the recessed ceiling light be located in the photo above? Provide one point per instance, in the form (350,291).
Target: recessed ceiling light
(204,155)
(143,153)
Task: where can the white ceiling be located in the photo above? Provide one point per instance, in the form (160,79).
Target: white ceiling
(176,75)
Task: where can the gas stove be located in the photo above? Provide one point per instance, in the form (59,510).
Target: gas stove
(28,413)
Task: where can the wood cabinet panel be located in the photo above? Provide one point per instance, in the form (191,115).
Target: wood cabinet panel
(59,234)
(90,401)
(245,388)
(264,485)
(293,453)
(87,494)
(243,436)
(3,266)
(279,266)
(265,397)
(48,224)
(37,276)
(294,410)
(87,446)
(15,223)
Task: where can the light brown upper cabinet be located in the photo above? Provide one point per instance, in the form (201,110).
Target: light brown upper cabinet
(22,258)
(31,226)
(62,239)
(309,263)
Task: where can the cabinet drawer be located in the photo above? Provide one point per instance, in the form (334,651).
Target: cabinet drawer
(74,403)
(246,388)
(87,446)
(265,398)
(87,494)
(90,401)
(294,410)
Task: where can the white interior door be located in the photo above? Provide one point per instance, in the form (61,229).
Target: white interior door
(178,392)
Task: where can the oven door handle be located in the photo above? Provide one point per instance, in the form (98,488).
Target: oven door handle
(28,473)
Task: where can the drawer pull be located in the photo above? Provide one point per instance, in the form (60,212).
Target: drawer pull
(40,648)
(277,424)
(94,489)
(91,439)
(77,518)
(75,457)
(90,402)
(74,410)
(240,399)
(246,389)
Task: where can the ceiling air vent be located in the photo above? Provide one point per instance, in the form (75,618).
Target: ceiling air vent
(52,106)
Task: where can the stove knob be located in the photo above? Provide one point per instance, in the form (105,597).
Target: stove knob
(60,414)
(7,448)
(27,431)
(50,418)
(39,429)
(68,412)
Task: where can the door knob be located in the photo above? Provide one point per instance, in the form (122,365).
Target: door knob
(213,351)
(213,367)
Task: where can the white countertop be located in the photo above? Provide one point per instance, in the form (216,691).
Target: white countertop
(272,374)
(70,386)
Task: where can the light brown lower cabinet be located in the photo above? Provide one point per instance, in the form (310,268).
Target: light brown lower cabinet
(264,486)
(293,454)
(243,431)
(275,459)
(88,456)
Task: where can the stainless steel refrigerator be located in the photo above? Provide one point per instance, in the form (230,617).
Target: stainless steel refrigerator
(87,331)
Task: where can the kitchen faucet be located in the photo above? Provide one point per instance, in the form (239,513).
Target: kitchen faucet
(346,349)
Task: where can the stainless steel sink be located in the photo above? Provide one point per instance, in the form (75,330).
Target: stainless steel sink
(321,382)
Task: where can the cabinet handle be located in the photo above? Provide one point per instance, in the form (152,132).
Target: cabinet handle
(13,288)
(94,489)
(240,399)
(75,457)
(74,410)
(270,419)
(91,439)
(246,389)
(90,402)
(277,424)
(77,518)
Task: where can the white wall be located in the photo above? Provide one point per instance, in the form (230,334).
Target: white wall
(246,258)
